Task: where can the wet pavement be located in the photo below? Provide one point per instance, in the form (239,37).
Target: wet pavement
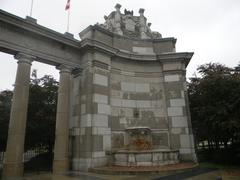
(194,174)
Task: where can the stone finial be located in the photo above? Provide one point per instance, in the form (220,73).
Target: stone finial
(141,11)
(118,6)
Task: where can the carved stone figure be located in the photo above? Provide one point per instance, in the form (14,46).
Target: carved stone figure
(117,20)
(108,24)
(142,24)
(149,32)
(126,12)
(129,25)
(156,35)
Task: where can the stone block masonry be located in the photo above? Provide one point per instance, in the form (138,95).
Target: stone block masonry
(129,82)
(120,75)
(117,93)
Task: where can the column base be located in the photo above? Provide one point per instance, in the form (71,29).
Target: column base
(60,166)
(12,170)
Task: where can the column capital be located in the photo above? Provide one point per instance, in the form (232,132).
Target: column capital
(64,68)
(24,58)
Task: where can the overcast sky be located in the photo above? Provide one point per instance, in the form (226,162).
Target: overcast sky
(209,28)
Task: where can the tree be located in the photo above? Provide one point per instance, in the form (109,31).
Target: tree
(5,107)
(214,103)
(40,129)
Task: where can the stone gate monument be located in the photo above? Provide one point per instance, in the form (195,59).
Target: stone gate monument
(136,80)
(122,97)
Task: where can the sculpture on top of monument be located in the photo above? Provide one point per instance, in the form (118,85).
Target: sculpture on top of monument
(117,20)
(129,25)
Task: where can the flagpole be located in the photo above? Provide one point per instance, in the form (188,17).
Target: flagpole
(68,20)
(67,7)
(31,8)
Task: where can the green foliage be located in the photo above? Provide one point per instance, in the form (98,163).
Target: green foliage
(5,106)
(41,162)
(214,103)
(223,156)
(42,104)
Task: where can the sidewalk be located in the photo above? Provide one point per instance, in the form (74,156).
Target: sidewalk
(194,174)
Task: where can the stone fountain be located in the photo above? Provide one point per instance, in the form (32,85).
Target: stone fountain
(138,138)
(129,102)
(139,151)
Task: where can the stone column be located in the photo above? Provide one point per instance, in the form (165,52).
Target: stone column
(61,161)
(13,160)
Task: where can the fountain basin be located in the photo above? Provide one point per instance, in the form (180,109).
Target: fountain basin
(138,150)
(145,157)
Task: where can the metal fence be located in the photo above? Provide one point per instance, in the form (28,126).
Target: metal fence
(27,155)
(1,157)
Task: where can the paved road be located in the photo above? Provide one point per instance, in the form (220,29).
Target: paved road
(187,174)
(177,176)
(92,176)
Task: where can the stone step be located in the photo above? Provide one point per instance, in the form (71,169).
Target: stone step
(143,169)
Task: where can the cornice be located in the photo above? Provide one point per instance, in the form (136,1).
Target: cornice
(31,26)
(164,57)
(111,34)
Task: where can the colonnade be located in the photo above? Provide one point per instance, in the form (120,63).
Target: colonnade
(13,159)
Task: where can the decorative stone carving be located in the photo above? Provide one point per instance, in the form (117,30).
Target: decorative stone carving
(117,20)
(149,31)
(108,24)
(126,12)
(143,26)
(129,25)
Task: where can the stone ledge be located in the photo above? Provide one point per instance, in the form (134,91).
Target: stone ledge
(143,170)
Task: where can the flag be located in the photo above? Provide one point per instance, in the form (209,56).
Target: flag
(67,5)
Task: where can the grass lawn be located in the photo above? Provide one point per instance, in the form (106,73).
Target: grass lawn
(226,172)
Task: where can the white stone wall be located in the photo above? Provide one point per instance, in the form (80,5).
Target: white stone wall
(100,80)
(181,135)
(131,94)
(119,99)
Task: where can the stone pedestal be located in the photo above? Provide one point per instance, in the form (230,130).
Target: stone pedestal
(13,160)
(61,161)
